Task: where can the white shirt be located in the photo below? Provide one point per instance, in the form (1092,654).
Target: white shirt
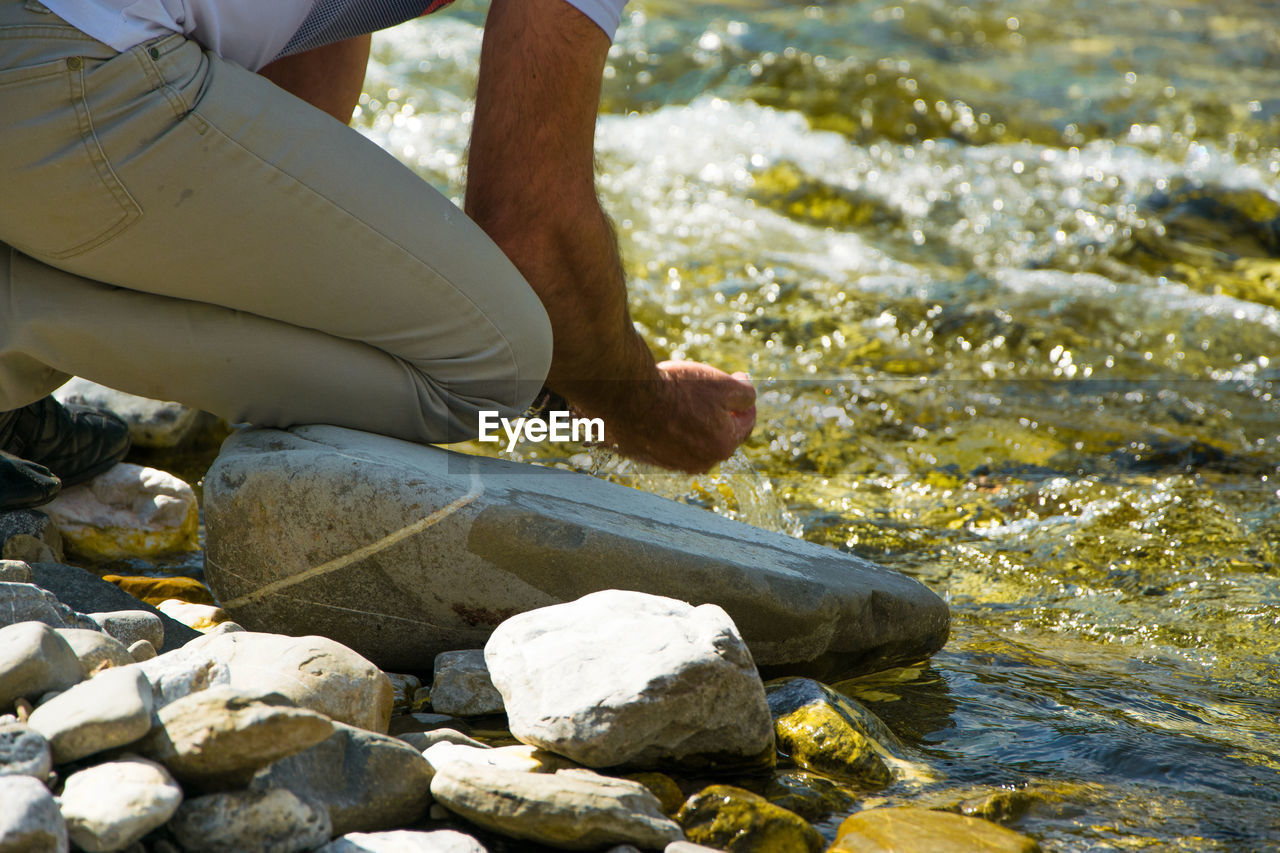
(254,32)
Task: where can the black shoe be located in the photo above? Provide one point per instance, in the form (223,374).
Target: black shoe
(24,484)
(73,442)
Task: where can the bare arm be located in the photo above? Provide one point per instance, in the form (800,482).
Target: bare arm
(531,186)
(328,77)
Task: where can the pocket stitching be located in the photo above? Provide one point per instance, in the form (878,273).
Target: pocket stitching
(129,208)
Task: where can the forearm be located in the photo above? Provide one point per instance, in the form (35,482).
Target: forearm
(531,187)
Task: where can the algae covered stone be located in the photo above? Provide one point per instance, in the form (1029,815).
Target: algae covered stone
(809,795)
(913,830)
(831,734)
(736,820)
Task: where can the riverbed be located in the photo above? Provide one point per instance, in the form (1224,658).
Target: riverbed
(1007,277)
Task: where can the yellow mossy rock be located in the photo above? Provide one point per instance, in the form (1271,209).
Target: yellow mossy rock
(736,820)
(819,738)
(663,787)
(912,830)
(155,590)
(129,511)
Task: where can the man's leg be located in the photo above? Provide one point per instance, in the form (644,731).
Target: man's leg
(278,267)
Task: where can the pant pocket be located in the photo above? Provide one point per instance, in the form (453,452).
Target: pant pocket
(59,196)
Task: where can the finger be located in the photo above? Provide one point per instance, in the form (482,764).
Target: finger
(739,394)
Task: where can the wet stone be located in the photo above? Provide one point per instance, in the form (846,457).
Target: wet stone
(809,795)
(915,830)
(733,819)
(827,733)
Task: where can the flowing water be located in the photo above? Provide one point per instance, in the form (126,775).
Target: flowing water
(1007,275)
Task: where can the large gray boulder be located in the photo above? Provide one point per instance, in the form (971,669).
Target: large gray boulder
(402,551)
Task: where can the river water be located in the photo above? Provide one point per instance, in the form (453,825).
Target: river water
(1007,275)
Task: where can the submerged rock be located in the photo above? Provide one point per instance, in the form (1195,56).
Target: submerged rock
(626,678)
(913,830)
(828,733)
(402,551)
(129,511)
(732,819)
(571,809)
(809,795)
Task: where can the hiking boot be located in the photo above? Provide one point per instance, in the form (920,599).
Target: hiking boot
(73,442)
(24,484)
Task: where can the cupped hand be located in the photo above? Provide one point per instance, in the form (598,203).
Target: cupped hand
(694,417)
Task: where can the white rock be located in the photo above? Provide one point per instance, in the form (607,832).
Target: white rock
(30,821)
(461,685)
(630,678)
(689,847)
(202,617)
(96,650)
(33,661)
(313,672)
(274,821)
(130,626)
(528,759)
(152,423)
(572,809)
(112,805)
(404,841)
(129,511)
(109,710)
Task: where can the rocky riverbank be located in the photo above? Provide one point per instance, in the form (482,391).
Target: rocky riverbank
(631,721)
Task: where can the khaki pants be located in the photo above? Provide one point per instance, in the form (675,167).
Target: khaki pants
(177,227)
